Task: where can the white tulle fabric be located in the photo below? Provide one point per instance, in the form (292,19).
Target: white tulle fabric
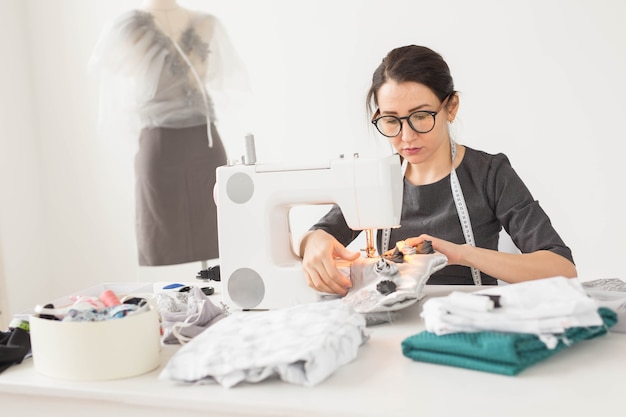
(146,82)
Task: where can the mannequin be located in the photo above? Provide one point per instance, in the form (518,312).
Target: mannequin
(165,60)
(170,16)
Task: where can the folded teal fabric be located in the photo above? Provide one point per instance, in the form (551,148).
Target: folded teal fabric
(496,352)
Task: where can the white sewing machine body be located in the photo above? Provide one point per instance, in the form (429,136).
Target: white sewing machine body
(258,266)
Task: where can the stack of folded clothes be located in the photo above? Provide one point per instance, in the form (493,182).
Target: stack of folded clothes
(506,329)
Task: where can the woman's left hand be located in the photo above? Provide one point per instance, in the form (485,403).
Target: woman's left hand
(452,251)
(507,267)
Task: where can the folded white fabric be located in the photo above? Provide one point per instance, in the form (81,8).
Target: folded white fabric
(380,285)
(303,345)
(541,307)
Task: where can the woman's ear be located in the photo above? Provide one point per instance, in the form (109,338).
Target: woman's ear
(453,106)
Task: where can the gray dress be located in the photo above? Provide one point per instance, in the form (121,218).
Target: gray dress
(496,198)
(176,216)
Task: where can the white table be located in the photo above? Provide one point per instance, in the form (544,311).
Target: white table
(586,379)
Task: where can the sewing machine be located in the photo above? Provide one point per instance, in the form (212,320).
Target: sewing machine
(259,268)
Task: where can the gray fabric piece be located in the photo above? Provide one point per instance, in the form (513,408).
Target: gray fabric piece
(408,278)
(190,313)
(496,197)
(176,216)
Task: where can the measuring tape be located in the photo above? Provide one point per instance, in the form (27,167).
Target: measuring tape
(461,209)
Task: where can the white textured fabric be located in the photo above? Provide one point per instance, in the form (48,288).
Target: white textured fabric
(610,293)
(540,307)
(409,278)
(302,345)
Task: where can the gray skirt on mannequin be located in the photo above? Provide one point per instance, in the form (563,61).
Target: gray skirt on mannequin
(176,216)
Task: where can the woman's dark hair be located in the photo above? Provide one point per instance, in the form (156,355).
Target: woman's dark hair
(412,63)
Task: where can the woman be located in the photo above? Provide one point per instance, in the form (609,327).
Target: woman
(456,197)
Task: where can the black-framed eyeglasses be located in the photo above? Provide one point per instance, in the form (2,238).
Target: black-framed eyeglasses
(421,121)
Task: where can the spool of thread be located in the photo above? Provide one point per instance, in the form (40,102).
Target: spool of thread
(109,298)
(250,150)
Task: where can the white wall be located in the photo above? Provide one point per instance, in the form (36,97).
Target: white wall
(23,254)
(540,80)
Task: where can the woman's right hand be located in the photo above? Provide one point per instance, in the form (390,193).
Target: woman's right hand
(319,250)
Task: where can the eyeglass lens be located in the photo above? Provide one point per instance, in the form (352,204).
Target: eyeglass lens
(420,121)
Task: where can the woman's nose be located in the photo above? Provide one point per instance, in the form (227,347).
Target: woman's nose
(406,133)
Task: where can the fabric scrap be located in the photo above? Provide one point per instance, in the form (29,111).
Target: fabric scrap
(14,347)
(185,315)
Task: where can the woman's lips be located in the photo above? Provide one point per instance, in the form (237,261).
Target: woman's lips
(412,151)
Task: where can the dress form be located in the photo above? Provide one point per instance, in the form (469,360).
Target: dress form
(160,65)
(174,20)
(169,15)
